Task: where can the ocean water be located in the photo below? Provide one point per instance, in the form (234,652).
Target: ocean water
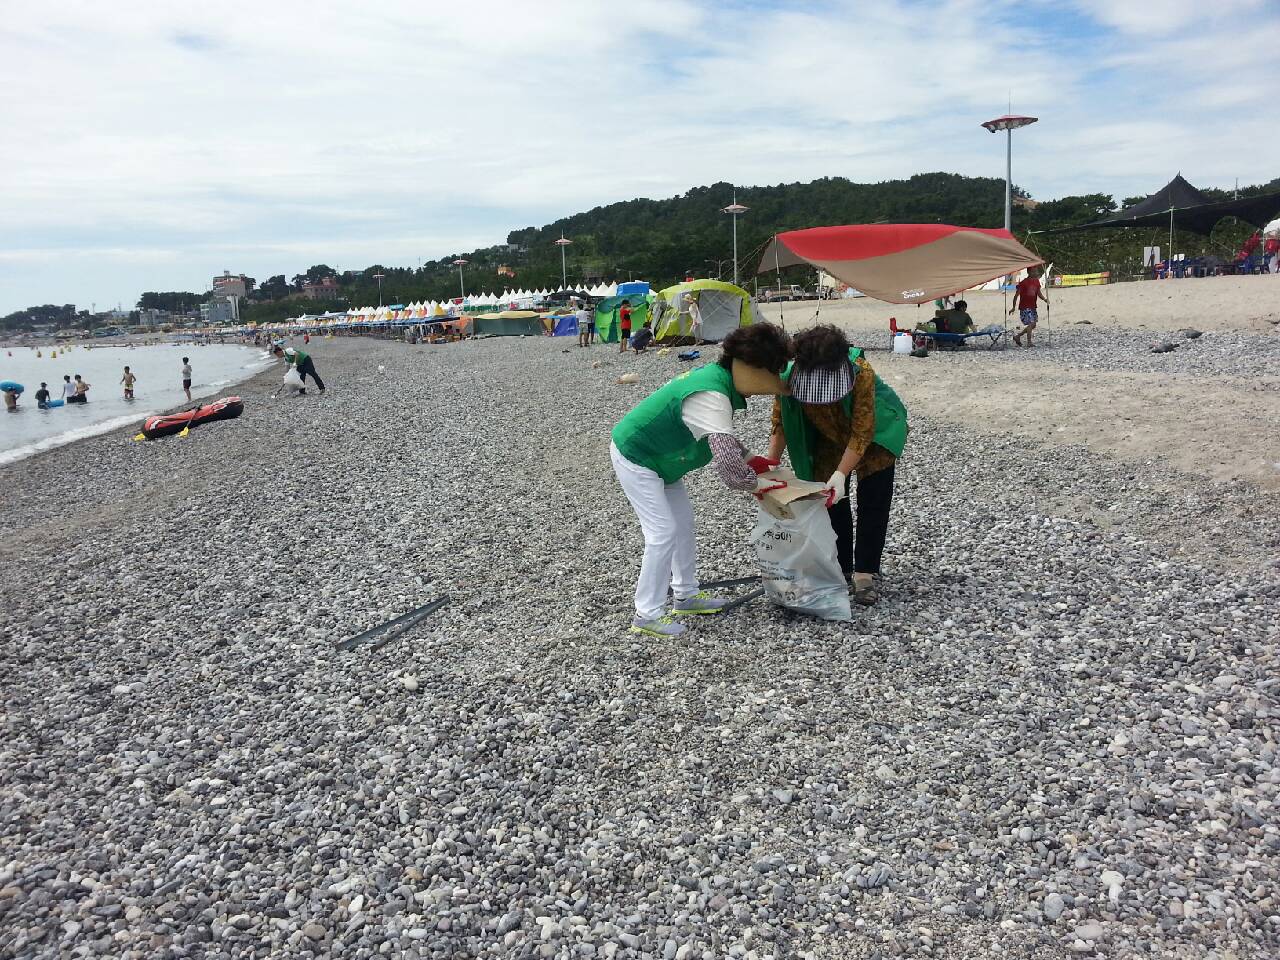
(214,367)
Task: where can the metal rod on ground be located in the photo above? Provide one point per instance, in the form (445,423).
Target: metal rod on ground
(383,633)
(735,582)
(745,598)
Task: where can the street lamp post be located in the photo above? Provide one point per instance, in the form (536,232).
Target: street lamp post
(379,277)
(735,210)
(562,243)
(1008,123)
(462,290)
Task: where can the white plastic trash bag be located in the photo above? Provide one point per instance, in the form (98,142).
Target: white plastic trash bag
(292,382)
(796,548)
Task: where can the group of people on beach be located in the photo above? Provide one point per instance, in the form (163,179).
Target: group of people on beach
(640,340)
(831,412)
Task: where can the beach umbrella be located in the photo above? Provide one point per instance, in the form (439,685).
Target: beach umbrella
(902,262)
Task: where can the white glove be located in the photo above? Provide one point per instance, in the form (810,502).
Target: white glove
(835,488)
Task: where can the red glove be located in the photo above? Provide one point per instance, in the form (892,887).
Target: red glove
(765,486)
(762,464)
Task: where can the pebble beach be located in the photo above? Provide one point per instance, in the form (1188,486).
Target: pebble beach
(1054,736)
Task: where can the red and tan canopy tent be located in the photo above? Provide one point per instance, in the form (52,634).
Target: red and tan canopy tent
(902,262)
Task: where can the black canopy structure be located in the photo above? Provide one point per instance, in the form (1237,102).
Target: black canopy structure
(1179,205)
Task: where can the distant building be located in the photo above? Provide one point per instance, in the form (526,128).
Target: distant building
(325,288)
(218,311)
(223,305)
(231,285)
(152,317)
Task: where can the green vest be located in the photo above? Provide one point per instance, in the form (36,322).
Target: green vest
(298,357)
(891,422)
(653,434)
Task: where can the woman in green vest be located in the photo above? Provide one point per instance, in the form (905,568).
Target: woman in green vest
(303,363)
(681,427)
(841,418)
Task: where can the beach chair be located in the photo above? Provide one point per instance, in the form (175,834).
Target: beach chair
(995,335)
(894,330)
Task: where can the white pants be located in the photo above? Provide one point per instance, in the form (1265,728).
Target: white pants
(666,517)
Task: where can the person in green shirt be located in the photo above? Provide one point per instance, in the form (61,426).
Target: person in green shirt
(302,362)
(682,427)
(841,420)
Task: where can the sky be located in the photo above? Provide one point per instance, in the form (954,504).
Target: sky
(151,145)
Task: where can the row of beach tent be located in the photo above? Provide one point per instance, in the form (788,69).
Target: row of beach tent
(510,305)
(722,307)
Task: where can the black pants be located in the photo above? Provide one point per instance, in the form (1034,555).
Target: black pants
(307,367)
(861,553)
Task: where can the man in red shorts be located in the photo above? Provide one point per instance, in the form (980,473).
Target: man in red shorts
(1024,301)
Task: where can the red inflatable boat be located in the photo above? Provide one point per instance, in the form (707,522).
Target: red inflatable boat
(167,424)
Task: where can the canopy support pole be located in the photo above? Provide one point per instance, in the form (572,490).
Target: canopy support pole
(777,269)
(1168,273)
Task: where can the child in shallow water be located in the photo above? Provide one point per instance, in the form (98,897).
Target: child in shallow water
(128,380)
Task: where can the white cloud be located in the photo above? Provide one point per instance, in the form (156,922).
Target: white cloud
(266,136)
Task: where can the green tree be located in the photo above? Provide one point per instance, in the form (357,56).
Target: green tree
(174,301)
(274,288)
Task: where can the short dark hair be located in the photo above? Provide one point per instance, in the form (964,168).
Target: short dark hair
(962,305)
(823,347)
(185,360)
(762,345)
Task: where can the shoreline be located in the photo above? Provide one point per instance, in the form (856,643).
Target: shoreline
(120,423)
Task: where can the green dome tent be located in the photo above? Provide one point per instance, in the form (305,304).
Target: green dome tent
(722,306)
(607,315)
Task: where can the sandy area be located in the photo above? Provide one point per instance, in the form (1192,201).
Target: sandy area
(1218,424)
(1248,304)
